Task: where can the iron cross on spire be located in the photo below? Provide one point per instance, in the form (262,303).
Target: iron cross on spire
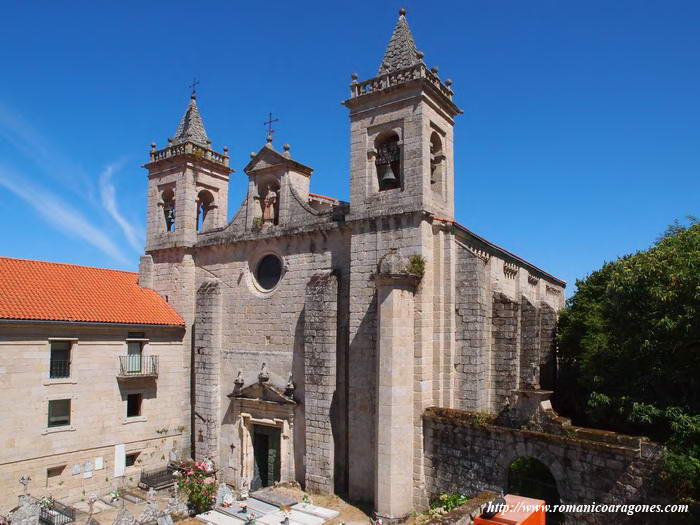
(269,122)
(193,86)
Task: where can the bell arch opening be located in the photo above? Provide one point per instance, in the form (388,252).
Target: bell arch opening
(529,477)
(437,162)
(167,199)
(388,161)
(205,205)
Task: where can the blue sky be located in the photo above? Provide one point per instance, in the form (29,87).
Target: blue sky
(579,140)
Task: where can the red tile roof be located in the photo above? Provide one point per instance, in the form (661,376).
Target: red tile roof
(47,291)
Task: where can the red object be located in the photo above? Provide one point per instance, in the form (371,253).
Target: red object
(46,291)
(521,511)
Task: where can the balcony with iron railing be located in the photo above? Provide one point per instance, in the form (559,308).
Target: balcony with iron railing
(59,369)
(134,365)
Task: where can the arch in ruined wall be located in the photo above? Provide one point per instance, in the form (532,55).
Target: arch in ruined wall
(539,452)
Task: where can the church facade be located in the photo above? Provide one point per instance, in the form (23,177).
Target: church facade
(320,331)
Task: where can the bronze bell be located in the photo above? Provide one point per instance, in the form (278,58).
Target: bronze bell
(387,177)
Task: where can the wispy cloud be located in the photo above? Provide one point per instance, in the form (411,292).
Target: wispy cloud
(108,196)
(61,215)
(19,133)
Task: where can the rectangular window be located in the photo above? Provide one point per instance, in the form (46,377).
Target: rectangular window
(60,359)
(133,405)
(55,472)
(59,412)
(131,459)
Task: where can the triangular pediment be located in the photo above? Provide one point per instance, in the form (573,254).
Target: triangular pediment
(263,392)
(267,157)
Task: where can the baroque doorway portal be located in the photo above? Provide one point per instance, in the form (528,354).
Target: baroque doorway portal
(266,451)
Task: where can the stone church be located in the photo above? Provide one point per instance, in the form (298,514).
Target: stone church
(321,331)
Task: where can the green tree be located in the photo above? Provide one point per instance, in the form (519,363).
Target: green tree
(629,349)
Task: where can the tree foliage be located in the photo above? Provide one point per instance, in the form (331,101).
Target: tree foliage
(629,348)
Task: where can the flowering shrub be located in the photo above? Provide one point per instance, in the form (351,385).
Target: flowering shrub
(46,502)
(196,481)
(445,503)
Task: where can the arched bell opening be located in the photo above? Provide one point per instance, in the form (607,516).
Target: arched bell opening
(531,478)
(388,161)
(437,162)
(205,207)
(167,199)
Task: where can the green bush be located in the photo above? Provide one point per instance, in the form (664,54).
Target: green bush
(629,351)
(446,502)
(416,265)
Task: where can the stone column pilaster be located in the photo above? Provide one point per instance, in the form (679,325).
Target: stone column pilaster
(320,358)
(395,362)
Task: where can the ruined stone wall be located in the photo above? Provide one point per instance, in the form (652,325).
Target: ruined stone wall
(320,372)
(467,453)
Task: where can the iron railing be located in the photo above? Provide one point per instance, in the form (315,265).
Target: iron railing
(55,513)
(134,365)
(59,369)
(157,479)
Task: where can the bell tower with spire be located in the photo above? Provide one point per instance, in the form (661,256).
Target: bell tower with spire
(187,185)
(401,125)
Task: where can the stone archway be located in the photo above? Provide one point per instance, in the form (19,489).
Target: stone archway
(541,454)
(529,477)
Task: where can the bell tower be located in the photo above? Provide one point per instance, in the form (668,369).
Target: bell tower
(401,124)
(187,185)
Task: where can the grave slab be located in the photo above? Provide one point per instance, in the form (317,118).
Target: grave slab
(218,518)
(321,512)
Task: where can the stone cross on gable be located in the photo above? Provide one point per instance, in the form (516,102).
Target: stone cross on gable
(269,122)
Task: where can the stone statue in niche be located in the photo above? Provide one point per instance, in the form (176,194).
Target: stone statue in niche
(270,206)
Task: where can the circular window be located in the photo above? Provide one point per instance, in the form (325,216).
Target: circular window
(269,272)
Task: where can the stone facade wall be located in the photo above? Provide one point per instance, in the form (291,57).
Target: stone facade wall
(98,408)
(207,369)
(320,372)
(465,453)
(530,345)
(505,357)
(267,326)
(473,334)
(548,328)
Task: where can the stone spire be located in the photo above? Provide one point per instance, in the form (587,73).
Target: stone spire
(401,51)
(191,127)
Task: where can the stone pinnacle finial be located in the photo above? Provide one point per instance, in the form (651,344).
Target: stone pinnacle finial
(191,127)
(401,51)
(268,139)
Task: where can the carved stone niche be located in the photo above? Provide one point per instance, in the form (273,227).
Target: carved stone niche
(261,425)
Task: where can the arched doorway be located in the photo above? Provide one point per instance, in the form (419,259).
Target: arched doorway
(531,478)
